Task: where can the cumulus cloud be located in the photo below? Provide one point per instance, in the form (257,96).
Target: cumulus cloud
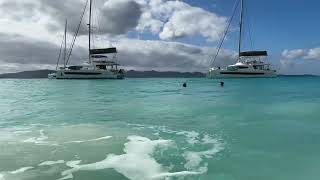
(30,30)
(300,61)
(120,16)
(114,17)
(169,19)
(311,54)
(19,53)
(18,49)
(159,55)
(293,54)
(18,10)
(193,22)
(177,19)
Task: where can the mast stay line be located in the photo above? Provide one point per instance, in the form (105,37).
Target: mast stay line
(225,33)
(241,28)
(77,32)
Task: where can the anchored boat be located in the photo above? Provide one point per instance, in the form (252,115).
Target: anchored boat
(250,64)
(102,63)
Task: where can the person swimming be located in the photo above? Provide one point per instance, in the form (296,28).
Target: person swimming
(222,84)
(184,85)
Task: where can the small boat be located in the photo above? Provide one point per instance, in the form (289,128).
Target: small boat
(102,63)
(250,64)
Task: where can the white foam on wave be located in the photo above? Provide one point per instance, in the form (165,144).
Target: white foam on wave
(177,174)
(91,140)
(194,159)
(21,170)
(158,129)
(41,140)
(69,176)
(192,136)
(39,125)
(207,139)
(50,163)
(73,163)
(2,177)
(136,164)
(22,132)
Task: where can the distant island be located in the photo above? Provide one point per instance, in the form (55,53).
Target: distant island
(40,74)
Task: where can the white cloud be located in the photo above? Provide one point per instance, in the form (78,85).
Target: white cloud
(176,19)
(300,61)
(311,54)
(293,54)
(163,56)
(169,19)
(192,22)
(30,33)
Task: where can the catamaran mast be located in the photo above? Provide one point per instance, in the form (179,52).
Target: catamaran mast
(65,45)
(241,27)
(90,14)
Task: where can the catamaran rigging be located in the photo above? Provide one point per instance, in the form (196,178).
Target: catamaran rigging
(98,66)
(249,63)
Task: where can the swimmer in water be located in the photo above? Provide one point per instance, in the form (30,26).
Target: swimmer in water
(184,85)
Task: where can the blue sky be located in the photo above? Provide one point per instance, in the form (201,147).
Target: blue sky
(276,24)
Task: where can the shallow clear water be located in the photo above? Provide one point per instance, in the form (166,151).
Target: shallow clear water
(155,129)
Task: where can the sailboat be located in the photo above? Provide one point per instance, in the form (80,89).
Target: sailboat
(250,64)
(102,63)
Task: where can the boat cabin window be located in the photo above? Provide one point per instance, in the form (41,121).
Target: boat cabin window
(75,67)
(242,67)
(101,67)
(259,67)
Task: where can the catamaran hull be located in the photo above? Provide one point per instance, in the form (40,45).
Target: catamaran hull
(225,74)
(89,74)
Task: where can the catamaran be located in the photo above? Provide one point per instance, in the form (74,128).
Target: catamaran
(250,64)
(102,63)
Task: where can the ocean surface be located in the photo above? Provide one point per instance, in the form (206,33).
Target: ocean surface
(154,129)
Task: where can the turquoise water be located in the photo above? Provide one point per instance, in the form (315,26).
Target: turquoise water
(143,129)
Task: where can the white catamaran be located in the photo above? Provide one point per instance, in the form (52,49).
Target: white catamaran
(250,64)
(102,63)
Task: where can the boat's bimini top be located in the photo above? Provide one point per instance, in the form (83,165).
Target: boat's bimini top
(253,53)
(104,51)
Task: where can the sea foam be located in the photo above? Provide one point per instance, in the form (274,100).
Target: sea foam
(91,140)
(192,136)
(194,159)
(136,164)
(41,140)
(21,170)
(50,163)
